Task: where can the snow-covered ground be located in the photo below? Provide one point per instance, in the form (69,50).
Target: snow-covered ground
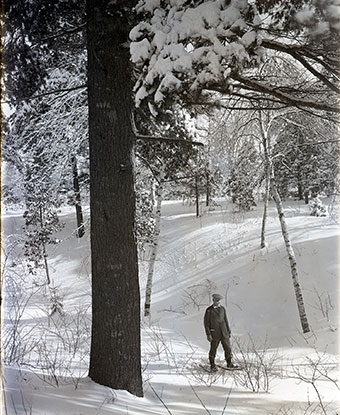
(286,372)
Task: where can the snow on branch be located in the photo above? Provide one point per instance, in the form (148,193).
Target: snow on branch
(181,47)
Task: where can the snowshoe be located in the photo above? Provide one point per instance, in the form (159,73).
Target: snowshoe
(208,369)
(231,367)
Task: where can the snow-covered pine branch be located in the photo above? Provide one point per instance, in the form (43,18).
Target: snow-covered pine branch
(180,48)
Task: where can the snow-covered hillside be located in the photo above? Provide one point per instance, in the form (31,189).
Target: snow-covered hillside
(286,372)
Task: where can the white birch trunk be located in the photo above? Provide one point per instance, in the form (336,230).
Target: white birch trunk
(266,195)
(154,247)
(271,185)
(265,214)
(266,148)
(291,256)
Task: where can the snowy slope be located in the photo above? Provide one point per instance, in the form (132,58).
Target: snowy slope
(217,252)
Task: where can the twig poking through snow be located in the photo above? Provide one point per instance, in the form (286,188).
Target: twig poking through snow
(202,403)
(153,390)
(227,399)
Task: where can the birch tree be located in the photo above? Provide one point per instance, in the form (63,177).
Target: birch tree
(266,131)
(267,175)
(155,239)
(291,257)
(166,160)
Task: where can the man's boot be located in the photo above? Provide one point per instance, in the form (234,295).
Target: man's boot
(230,364)
(213,367)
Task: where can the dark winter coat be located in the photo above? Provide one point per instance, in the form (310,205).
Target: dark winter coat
(216,322)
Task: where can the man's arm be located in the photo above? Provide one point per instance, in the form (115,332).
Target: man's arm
(226,321)
(207,324)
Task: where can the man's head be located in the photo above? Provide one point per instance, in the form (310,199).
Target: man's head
(216,298)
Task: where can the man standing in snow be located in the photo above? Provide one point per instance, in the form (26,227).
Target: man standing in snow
(217,329)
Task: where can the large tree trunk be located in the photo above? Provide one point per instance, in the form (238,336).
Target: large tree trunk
(115,359)
(154,247)
(291,257)
(76,189)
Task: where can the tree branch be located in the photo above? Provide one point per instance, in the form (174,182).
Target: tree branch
(283,97)
(55,91)
(165,139)
(64,33)
(332,68)
(292,51)
(182,178)
(146,162)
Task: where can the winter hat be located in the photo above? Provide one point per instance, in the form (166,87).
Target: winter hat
(217,297)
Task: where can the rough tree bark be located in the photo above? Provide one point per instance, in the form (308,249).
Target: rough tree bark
(115,344)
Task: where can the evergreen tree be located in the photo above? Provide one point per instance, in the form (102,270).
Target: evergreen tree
(46,36)
(38,33)
(41,220)
(115,344)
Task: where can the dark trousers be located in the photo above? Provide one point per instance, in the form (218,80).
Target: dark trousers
(213,348)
